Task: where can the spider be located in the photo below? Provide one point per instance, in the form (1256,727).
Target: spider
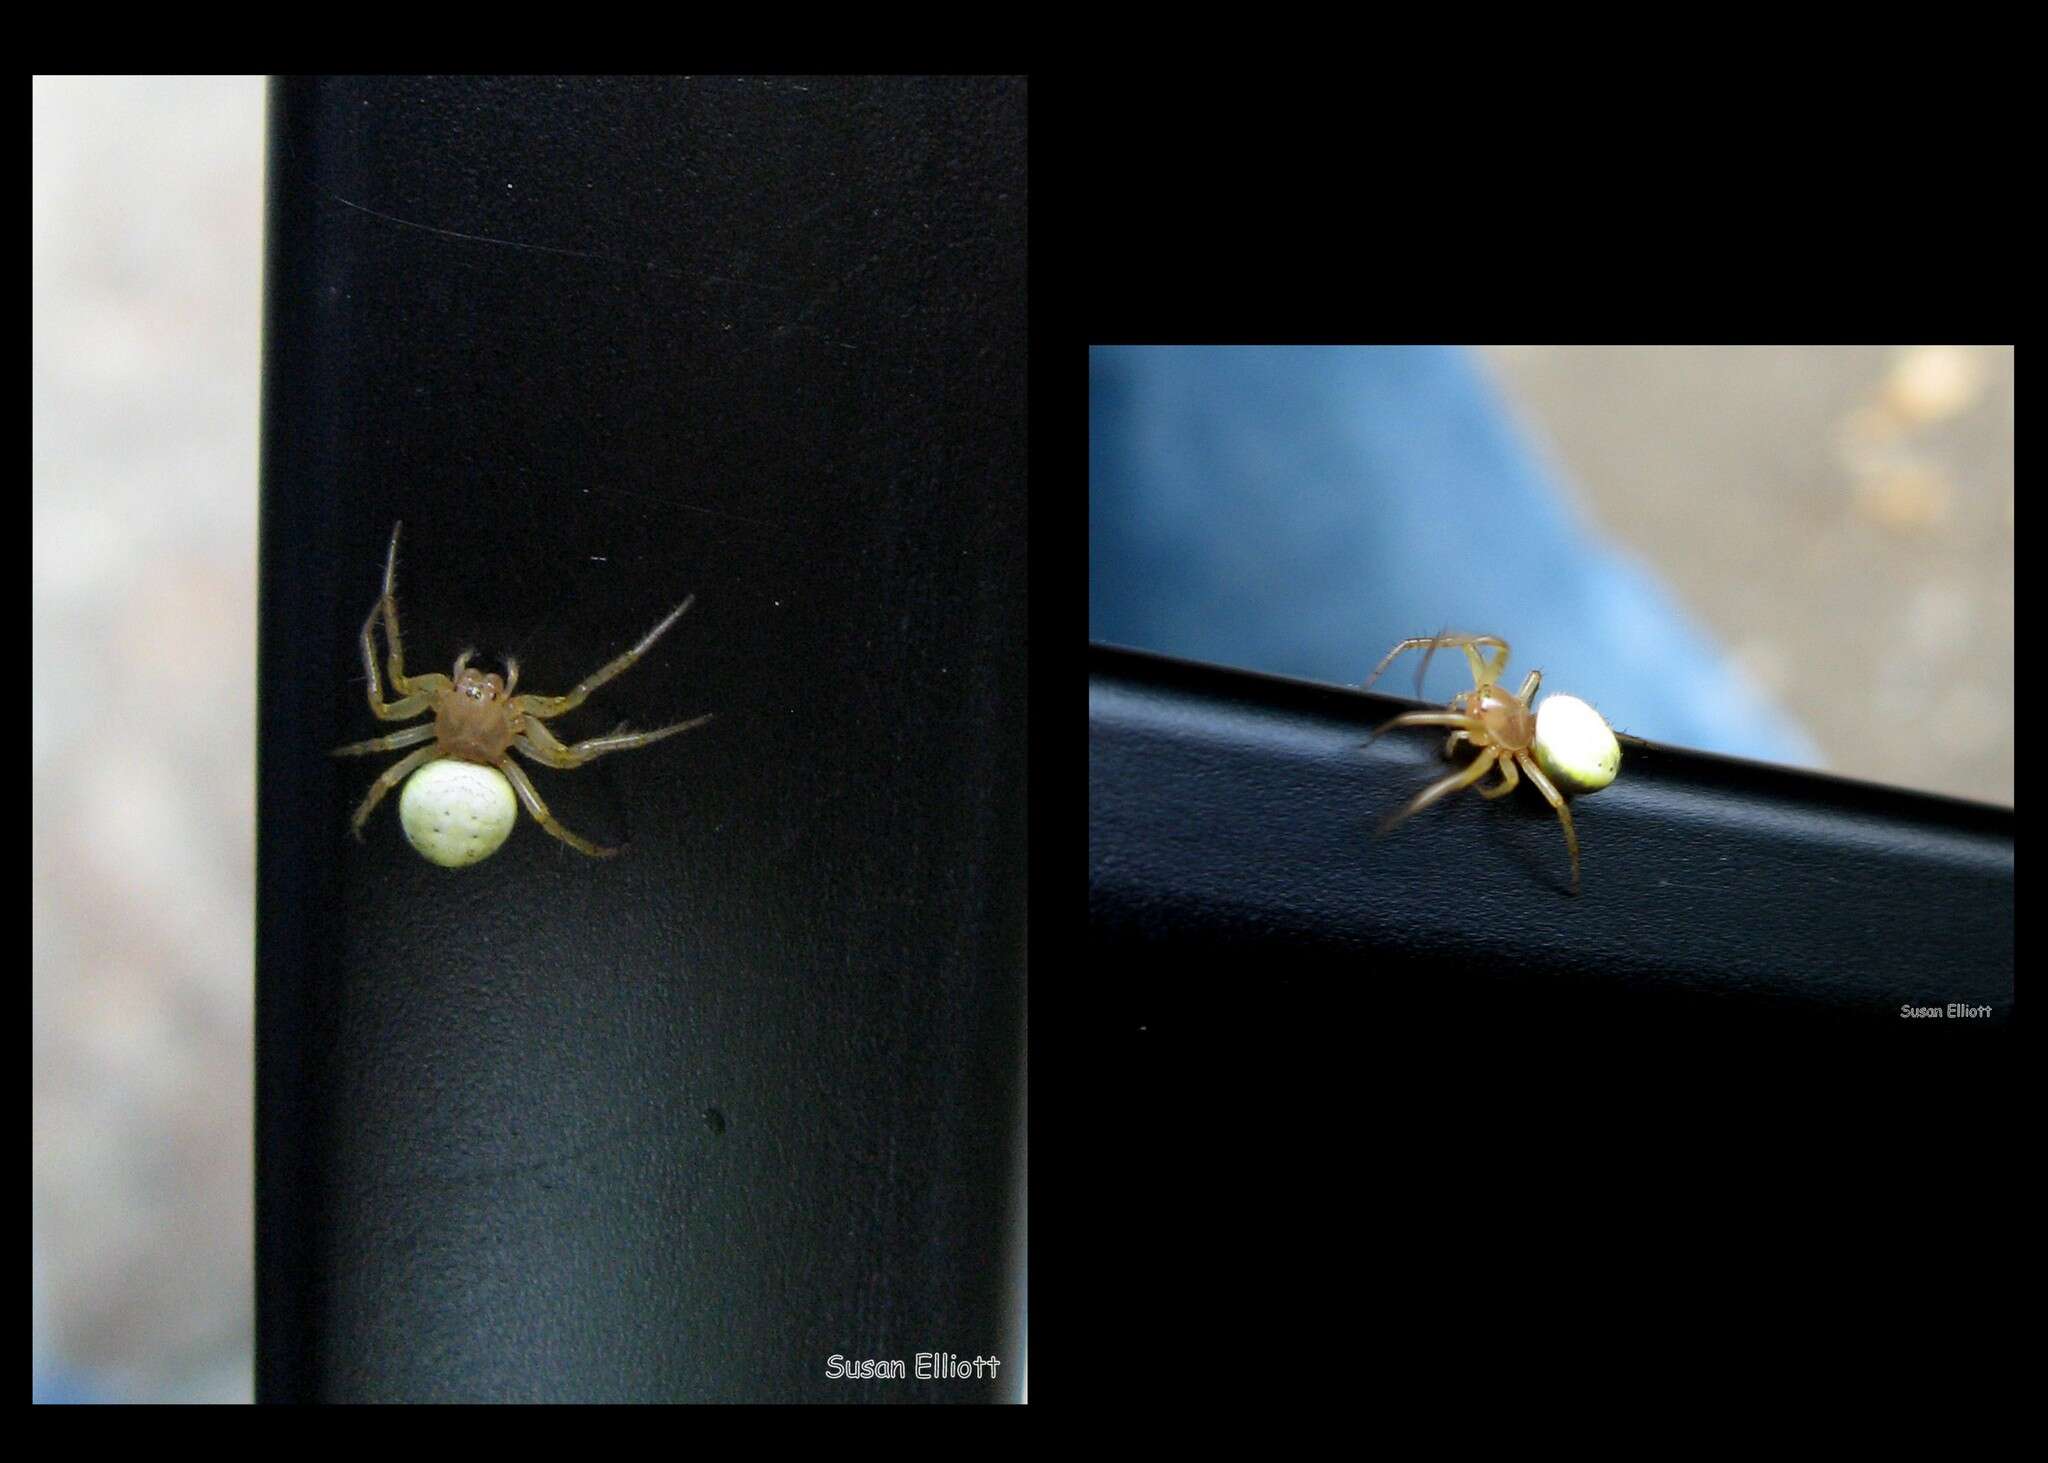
(457,808)
(1572,746)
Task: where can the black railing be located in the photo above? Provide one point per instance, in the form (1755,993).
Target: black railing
(1234,814)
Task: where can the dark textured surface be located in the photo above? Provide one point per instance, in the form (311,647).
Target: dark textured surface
(1404,1106)
(1405,1102)
(1231,810)
(601,344)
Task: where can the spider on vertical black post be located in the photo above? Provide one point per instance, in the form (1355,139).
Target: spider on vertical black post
(458,807)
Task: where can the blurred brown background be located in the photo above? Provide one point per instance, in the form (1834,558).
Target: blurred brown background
(1842,516)
(147,216)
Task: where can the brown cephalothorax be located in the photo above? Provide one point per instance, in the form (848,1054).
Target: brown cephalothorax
(478,719)
(1565,738)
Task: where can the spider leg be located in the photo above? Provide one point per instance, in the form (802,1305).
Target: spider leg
(556,705)
(1509,780)
(1388,659)
(541,815)
(537,742)
(1484,672)
(1564,814)
(389,604)
(1529,687)
(411,736)
(393,775)
(416,693)
(1488,670)
(1435,790)
(1457,719)
(413,699)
